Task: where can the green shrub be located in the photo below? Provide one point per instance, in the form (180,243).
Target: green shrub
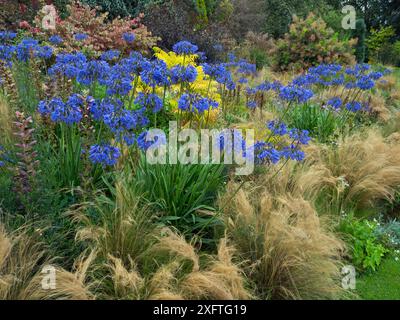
(184,194)
(379,45)
(321,123)
(310,42)
(366,251)
(257,48)
(360,33)
(388,233)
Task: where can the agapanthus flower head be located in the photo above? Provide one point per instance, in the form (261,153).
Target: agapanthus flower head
(196,103)
(110,55)
(128,37)
(296,94)
(246,68)
(354,106)
(335,102)
(7,53)
(119,80)
(92,71)
(44,52)
(277,127)
(145,141)
(252,104)
(104,154)
(26,48)
(365,83)
(276,86)
(123,120)
(265,86)
(149,101)
(129,138)
(243,80)
(268,155)
(185,48)
(68,113)
(293,152)
(7,35)
(80,36)
(299,136)
(376,75)
(68,64)
(183,74)
(155,73)
(215,71)
(99,109)
(55,39)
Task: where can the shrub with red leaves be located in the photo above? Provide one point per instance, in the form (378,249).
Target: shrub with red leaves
(102,34)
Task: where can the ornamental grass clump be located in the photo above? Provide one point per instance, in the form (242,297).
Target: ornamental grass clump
(137,258)
(23,257)
(287,251)
(362,170)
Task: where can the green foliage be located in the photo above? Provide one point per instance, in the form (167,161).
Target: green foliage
(69,153)
(389,234)
(183,193)
(310,42)
(61,6)
(383,284)
(378,44)
(321,123)
(257,48)
(360,34)
(366,251)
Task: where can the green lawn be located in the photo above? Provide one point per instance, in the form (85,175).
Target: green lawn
(383,284)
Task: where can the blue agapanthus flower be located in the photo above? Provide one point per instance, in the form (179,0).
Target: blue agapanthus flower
(155,73)
(92,71)
(55,39)
(183,74)
(296,94)
(365,83)
(354,106)
(110,55)
(194,102)
(299,136)
(99,109)
(251,104)
(26,48)
(7,53)
(185,48)
(44,52)
(277,127)
(7,35)
(123,120)
(119,80)
(129,37)
(80,36)
(335,102)
(144,141)
(68,113)
(149,101)
(104,154)
(68,65)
